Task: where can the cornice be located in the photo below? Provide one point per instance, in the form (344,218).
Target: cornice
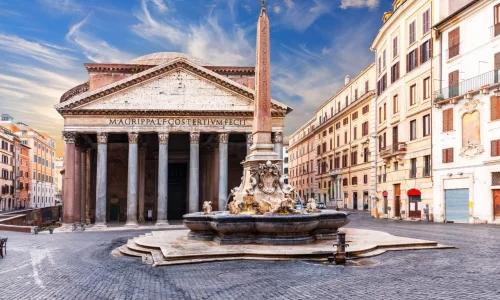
(88,112)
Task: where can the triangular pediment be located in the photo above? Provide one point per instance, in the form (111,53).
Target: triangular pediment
(179,85)
(175,90)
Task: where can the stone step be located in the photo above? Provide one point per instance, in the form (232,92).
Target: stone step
(158,258)
(134,247)
(126,251)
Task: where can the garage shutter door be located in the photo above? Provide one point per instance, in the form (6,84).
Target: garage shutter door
(457,205)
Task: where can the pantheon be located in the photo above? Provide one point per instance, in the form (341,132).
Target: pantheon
(152,139)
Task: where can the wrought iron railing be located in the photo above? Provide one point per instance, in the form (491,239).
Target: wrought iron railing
(467,85)
(393,149)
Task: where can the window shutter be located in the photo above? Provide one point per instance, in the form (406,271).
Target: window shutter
(407,63)
(416,57)
(445,152)
(494,148)
(494,108)
(421,57)
(445,120)
(430,48)
(450,119)
(450,155)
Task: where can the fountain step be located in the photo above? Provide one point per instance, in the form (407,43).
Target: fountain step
(126,251)
(134,247)
(158,258)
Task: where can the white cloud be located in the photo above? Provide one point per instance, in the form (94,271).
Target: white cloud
(43,52)
(95,49)
(247,8)
(289,4)
(277,9)
(359,3)
(207,40)
(301,15)
(64,6)
(162,7)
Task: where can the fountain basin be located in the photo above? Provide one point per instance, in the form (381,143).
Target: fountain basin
(292,229)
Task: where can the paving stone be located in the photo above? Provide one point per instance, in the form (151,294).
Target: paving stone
(79,265)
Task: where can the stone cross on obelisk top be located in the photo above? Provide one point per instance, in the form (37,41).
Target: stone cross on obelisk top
(262,123)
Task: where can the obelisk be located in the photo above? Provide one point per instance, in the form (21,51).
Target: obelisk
(262,148)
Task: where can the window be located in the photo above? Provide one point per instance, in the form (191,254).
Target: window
(338,106)
(426,22)
(356,94)
(380,114)
(344,160)
(345,137)
(412,60)
(426,125)
(495,148)
(354,158)
(337,125)
(365,109)
(454,43)
(453,84)
(411,33)
(382,84)
(324,133)
(394,47)
(355,133)
(330,130)
(447,155)
(427,88)
(413,94)
(354,180)
(346,101)
(331,144)
(413,168)
(331,112)
(385,111)
(413,130)
(345,121)
(365,179)
(427,165)
(396,166)
(383,60)
(425,51)
(354,115)
(345,182)
(496,15)
(337,162)
(495,108)
(395,72)
(365,155)
(395,104)
(338,140)
(324,147)
(448,119)
(379,65)
(364,128)
(366,86)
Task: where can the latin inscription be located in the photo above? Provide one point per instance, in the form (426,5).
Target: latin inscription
(177,122)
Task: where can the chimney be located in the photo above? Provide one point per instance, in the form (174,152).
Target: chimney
(346,80)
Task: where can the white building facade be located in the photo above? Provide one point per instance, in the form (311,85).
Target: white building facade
(466,115)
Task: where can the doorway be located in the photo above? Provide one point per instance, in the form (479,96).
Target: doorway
(114,210)
(397,200)
(354,200)
(457,205)
(177,190)
(496,204)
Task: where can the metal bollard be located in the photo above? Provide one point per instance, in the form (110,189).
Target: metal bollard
(339,256)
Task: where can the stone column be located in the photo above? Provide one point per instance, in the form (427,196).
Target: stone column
(142,182)
(162,219)
(194,177)
(77,213)
(87,184)
(69,183)
(133,172)
(249,142)
(101,179)
(83,186)
(278,143)
(223,153)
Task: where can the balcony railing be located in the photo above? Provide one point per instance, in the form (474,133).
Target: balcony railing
(472,84)
(495,30)
(393,149)
(336,171)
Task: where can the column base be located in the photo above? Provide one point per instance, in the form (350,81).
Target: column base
(99,226)
(131,224)
(161,223)
(66,227)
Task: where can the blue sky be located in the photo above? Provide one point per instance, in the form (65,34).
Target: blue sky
(314,44)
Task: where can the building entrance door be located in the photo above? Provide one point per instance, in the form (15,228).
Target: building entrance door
(177,190)
(457,205)
(114,212)
(355,200)
(496,204)
(397,199)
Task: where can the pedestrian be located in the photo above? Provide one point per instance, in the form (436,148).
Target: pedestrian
(426,212)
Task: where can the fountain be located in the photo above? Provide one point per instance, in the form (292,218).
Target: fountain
(262,210)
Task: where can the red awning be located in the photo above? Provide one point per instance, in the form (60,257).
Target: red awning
(384,194)
(414,192)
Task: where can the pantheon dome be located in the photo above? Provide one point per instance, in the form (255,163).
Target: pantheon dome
(158,58)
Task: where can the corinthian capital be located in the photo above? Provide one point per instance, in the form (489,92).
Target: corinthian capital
(278,137)
(194,137)
(102,137)
(163,137)
(223,138)
(133,137)
(69,137)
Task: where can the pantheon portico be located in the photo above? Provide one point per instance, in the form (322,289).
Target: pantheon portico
(156,137)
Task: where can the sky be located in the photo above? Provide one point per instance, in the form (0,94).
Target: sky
(314,44)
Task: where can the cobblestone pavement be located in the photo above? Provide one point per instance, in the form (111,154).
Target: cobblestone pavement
(79,266)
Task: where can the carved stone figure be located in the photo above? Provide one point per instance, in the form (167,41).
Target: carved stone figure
(207,207)
(311,206)
(268,177)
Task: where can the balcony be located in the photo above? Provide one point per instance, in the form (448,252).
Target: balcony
(466,88)
(335,172)
(398,150)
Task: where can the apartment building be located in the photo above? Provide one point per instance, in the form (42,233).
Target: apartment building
(7,195)
(403,52)
(42,184)
(23,175)
(466,112)
(301,153)
(343,144)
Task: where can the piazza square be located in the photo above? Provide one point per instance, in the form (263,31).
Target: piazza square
(250,149)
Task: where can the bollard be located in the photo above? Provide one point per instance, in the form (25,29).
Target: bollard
(339,256)
(36,230)
(51,230)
